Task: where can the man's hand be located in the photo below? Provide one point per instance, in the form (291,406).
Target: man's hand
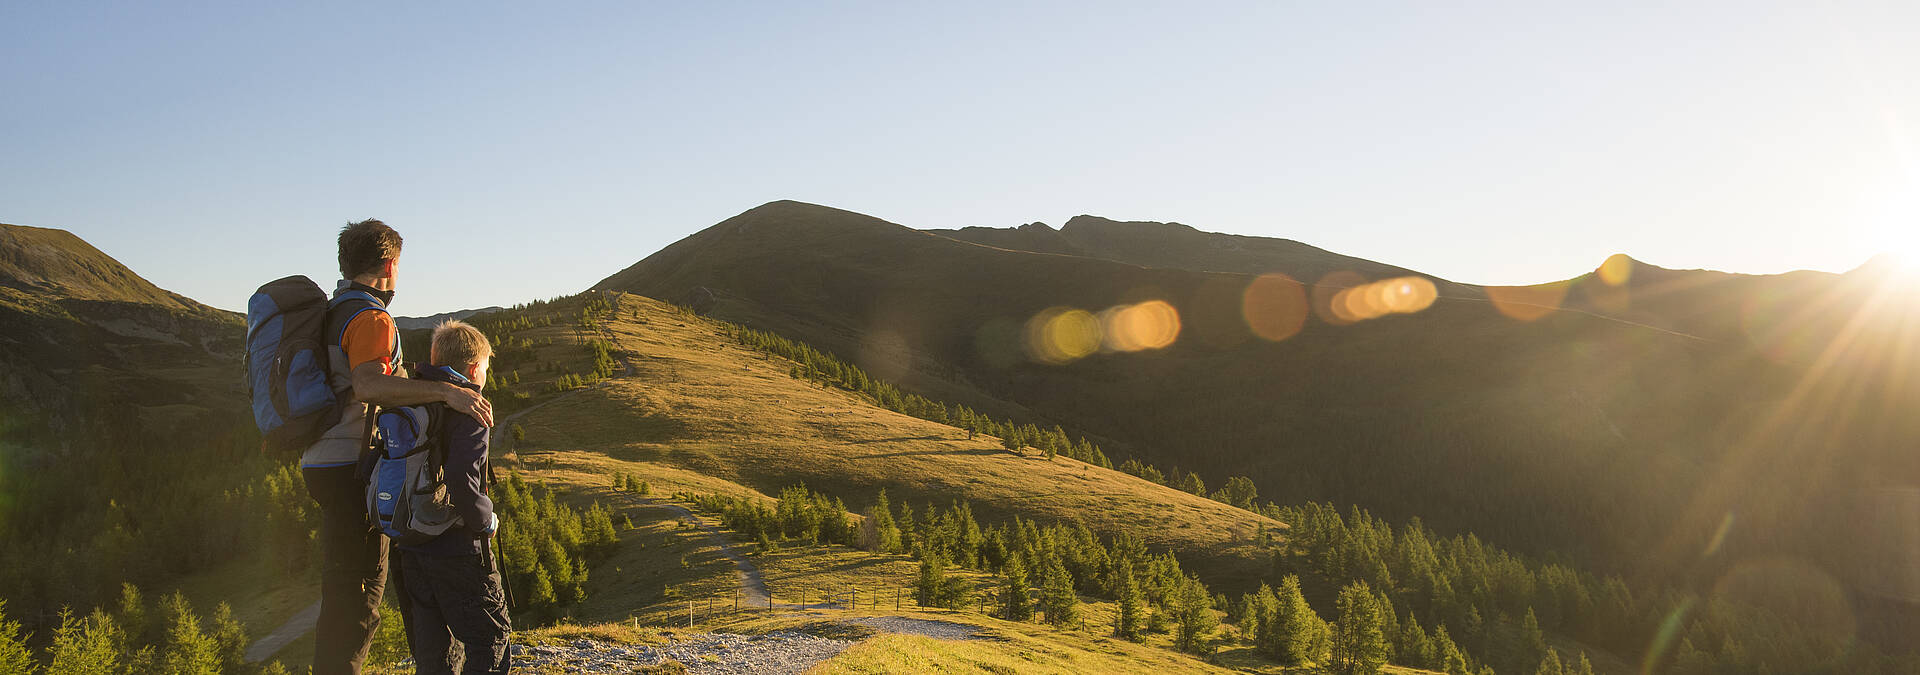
(470,402)
(493,528)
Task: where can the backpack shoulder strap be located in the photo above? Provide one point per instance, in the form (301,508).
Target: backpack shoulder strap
(436,434)
(353,303)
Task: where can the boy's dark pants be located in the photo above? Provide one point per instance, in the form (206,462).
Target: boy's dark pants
(353,559)
(457,598)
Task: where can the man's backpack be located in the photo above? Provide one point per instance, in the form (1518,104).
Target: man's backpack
(406,475)
(287,361)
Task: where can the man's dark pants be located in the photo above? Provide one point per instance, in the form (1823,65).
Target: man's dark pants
(457,598)
(353,571)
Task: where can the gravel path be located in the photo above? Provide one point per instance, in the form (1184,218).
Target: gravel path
(728,653)
(939,630)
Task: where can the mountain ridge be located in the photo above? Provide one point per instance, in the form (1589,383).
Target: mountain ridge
(1555,401)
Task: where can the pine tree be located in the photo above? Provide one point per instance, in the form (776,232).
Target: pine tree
(1415,648)
(541,594)
(230,639)
(1014,605)
(1532,642)
(14,655)
(886,531)
(1551,665)
(1389,623)
(1584,668)
(1451,660)
(83,647)
(932,573)
(1192,483)
(1193,616)
(1358,644)
(1057,598)
(133,615)
(1128,595)
(1256,612)
(599,527)
(1293,631)
(187,651)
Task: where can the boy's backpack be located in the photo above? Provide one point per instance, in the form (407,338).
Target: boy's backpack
(406,475)
(287,362)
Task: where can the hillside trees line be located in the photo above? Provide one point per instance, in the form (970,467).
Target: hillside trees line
(133,636)
(546,546)
(154,506)
(1494,606)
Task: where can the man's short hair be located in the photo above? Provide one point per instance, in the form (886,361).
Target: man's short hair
(458,343)
(365,245)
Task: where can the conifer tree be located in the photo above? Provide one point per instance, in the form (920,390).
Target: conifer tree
(229,639)
(932,573)
(1551,665)
(540,592)
(188,650)
(1450,660)
(83,647)
(1132,603)
(1014,603)
(14,655)
(886,535)
(1193,484)
(1293,630)
(1414,647)
(1532,642)
(1057,598)
(133,615)
(1256,611)
(1193,616)
(1389,623)
(1585,667)
(1358,644)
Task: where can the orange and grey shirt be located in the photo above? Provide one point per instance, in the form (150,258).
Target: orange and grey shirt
(368,335)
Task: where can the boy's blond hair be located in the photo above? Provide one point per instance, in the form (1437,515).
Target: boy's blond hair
(457,343)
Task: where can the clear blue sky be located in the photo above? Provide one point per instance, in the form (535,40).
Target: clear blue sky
(530,149)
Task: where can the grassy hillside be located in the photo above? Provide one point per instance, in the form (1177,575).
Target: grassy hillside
(700,411)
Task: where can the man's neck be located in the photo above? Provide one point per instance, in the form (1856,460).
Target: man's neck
(373,282)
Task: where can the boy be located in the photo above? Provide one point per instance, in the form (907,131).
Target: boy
(451,579)
(364,362)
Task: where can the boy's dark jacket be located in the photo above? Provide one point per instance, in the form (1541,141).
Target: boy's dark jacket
(465,473)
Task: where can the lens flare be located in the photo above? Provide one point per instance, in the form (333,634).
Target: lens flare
(1666,637)
(1274,306)
(1062,335)
(1326,296)
(1617,270)
(1400,295)
(1153,324)
(1527,303)
(1719,536)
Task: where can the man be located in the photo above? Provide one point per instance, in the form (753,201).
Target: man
(364,354)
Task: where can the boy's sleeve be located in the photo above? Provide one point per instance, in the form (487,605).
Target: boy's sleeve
(466,473)
(369,337)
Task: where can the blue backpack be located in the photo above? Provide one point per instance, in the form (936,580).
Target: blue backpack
(406,475)
(287,362)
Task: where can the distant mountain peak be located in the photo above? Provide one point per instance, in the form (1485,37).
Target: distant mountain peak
(1087,222)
